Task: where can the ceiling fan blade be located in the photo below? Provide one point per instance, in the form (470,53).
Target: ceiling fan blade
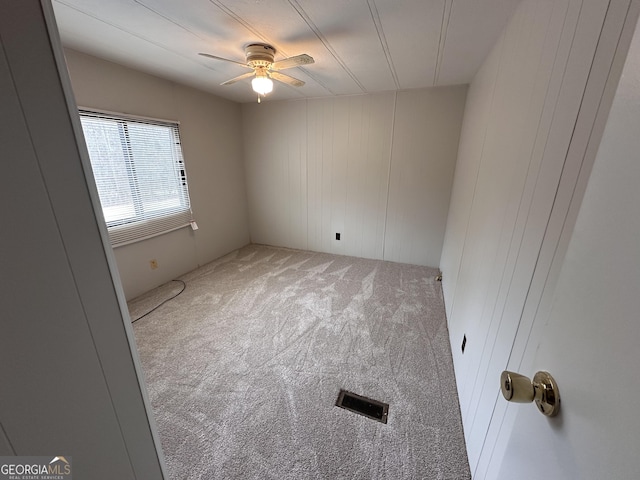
(238,78)
(224,59)
(296,61)
(281,77)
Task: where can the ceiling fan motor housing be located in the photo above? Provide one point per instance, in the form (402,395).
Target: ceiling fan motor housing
(259,55)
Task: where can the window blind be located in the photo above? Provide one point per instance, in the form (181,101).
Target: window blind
(140,175)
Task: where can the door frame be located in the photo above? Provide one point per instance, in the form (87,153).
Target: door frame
(123,376)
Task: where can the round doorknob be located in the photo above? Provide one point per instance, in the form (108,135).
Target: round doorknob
(543,390)
(516,388)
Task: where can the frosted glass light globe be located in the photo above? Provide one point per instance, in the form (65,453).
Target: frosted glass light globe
(262,85)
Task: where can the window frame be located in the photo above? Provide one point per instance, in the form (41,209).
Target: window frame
(141,226)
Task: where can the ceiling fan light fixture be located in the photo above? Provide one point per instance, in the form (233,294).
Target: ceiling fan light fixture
(260,59)
(262,85)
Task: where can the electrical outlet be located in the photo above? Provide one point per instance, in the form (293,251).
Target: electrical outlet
(153,263)
(337,236)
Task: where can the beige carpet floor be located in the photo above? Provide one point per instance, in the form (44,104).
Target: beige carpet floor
(243,369)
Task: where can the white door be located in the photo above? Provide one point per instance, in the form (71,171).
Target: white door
(587,327)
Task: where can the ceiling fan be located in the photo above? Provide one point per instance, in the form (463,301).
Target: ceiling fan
(260,59)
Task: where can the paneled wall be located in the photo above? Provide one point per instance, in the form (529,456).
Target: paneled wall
(348,161)
(376,168)
(520,117)
(210,130)
(596,436)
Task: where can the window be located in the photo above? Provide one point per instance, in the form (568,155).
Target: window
(139,171)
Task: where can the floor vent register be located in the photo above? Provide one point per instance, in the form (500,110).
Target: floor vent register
(367,407)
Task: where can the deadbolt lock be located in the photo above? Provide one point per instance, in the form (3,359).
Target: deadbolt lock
(543,390)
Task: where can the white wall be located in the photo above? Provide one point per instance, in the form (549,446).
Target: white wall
(520,119)
(69,380)
(375,168)
(210,129)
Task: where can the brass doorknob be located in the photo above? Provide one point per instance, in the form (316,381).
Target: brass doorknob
(543,390)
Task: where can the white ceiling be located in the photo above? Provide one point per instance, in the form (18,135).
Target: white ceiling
(359,46)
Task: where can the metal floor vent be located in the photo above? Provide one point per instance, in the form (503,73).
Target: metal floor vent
(364,406)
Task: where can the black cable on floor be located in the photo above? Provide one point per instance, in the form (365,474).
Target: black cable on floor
(184,285)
